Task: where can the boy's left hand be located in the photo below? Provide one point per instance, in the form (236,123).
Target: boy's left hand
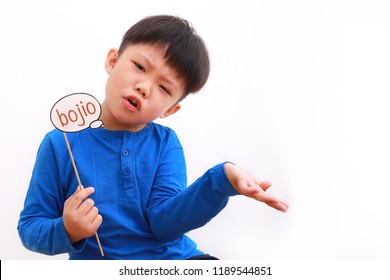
(246,185)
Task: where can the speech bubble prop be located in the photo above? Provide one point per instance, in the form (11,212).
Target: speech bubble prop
(76,112)
(72,113)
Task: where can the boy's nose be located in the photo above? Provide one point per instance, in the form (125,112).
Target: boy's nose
(144,90)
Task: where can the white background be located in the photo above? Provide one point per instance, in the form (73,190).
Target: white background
(298,95)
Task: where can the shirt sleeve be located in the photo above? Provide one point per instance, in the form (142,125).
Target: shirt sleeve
(41,228)
(174,209)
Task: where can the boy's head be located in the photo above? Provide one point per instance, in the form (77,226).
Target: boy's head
(185,51)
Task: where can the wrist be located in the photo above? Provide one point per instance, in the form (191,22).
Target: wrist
(229,171)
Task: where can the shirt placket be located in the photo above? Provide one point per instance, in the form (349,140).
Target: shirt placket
(129,187)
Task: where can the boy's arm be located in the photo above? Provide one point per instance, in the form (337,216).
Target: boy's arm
(41,226)
(174,209)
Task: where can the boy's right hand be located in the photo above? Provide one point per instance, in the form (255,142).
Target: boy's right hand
(81,217)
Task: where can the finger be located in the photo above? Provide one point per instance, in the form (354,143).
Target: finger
(255,191)
(68,201)
(265,197)
(248,189)
(86,206)
(92,221)
(80,196)
(92,225)
(78,189)
(264,185)
(284,204)
(279,206)
(93,212)
(97,221)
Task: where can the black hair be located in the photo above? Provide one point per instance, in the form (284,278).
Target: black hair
(185,51)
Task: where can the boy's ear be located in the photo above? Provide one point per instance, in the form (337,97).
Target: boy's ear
(171,111)
(111,59)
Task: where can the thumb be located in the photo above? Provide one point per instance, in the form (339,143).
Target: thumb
(265,185)
(78,189)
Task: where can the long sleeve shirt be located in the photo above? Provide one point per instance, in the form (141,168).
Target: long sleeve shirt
(140,190)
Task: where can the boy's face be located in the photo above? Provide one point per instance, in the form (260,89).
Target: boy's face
(140,88)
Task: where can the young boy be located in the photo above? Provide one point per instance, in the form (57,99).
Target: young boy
(137,197)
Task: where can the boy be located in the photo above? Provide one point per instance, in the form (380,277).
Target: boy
(138,201)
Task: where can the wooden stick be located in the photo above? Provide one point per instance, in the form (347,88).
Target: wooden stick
(73,162)
(80,185)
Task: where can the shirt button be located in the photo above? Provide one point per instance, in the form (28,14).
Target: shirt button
(125,153)
(126,171)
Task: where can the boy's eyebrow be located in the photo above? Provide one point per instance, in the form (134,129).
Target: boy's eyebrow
(147,60)
(166,79)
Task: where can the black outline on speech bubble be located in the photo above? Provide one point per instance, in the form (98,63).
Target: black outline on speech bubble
(75,94)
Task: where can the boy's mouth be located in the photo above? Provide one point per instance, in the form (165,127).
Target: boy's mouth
(134,101)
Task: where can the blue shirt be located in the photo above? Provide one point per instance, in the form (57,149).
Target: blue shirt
(140,190)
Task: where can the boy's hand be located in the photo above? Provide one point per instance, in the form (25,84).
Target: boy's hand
(81,217)
(246,185)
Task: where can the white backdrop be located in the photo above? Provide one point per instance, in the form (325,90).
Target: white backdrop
(298,95)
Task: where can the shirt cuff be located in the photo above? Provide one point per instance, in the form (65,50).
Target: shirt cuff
(70,248)
(223,185)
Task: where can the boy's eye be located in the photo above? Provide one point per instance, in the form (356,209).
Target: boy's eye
(139,66)
(165,89)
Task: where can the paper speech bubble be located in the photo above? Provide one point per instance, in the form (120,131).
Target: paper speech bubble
(76,112)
